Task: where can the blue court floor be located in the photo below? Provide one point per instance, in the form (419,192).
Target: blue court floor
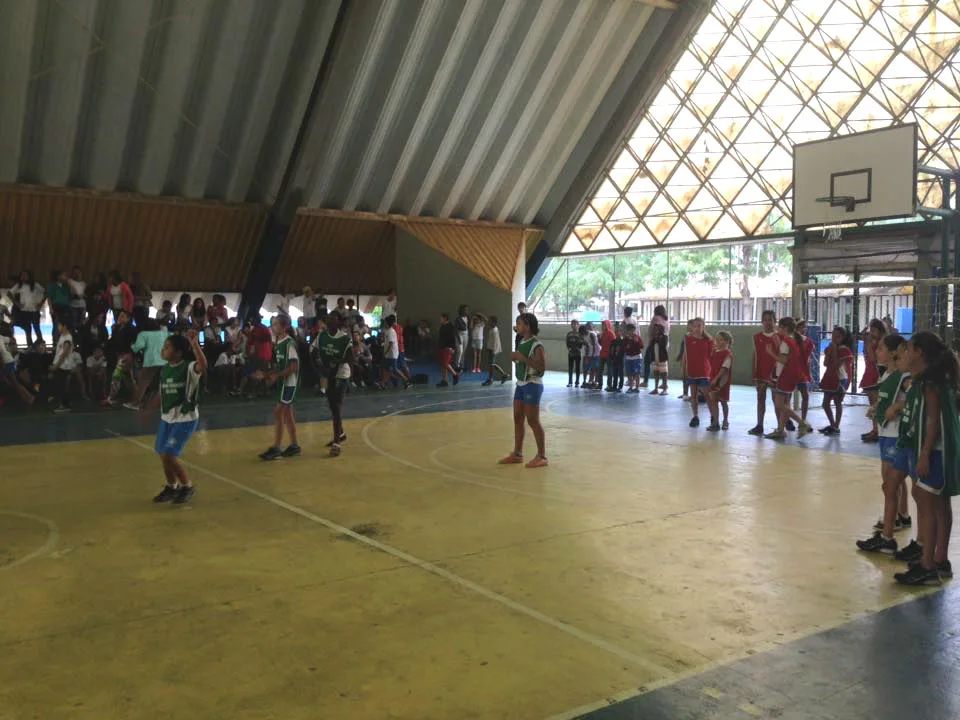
(653,572)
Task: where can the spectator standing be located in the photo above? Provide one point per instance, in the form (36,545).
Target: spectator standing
(119,295)
(27,296)
(78,297)
(58,298)
(149,342)
(389,304)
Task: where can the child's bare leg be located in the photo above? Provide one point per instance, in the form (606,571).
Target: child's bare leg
(726,410)
(892,480)
(828,409)
(532,413)
(903,494)
(838,401)
(518,428)
(278,425)
(944,526)
(761,404)
(804,402)
(291,424)
(926,524)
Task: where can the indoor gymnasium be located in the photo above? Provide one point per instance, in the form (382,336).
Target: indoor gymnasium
(448,359)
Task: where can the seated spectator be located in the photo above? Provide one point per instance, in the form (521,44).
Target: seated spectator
(8,366)
(97,374)
(362,370)
(33,369)
(74,366)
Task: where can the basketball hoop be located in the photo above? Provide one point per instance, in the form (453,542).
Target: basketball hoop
(834,231)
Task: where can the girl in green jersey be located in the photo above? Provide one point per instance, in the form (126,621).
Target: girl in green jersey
(531,361)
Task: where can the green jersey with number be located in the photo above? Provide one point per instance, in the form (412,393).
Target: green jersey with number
(180,392)
(284,355)
(526,373)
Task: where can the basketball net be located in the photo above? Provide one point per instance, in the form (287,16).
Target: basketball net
(832,232)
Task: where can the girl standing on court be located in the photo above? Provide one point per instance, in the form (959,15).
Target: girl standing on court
(806,379)
(764,364)
(930,433)
(591,349)
(789,372)
(477,325)
(721,364)
(660,346)
(871,374)
(838,365)
(286,374)
(531,361)
(891,395)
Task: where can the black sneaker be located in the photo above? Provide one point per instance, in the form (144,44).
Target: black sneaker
(184,493)
(341,438)
(756,430)
(488,383)
(904,522)
(878,543)
(443,384)
(713,427)
(945,568)
(569,385)
(271,453)
(168,493)
(790,426)
(292,451)
(918,575)
(830,431)
(695,421)
(878,525)
(456,379)
(725,425)
(911,553)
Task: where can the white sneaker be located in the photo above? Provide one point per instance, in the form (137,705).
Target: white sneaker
(131,406)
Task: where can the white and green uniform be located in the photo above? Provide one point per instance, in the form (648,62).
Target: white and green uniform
(334,351)
(285,354)
(526,373)
(180,389)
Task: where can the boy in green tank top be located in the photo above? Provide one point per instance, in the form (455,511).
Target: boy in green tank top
(530,361)
(179,400)
(286,375)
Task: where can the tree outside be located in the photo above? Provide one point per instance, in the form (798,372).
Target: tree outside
(573,285)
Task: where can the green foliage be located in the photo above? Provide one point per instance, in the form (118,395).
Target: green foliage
(569,284)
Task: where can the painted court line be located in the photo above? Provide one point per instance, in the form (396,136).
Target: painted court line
(53,537)
(429,567)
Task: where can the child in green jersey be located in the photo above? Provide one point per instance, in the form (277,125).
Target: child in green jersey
(531,361)
(286,375)
(335,350)
(930,433)
(179,399)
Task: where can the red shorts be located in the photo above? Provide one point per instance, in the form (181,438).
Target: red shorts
(445,357)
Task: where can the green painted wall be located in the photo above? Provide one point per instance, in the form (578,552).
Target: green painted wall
(428,283)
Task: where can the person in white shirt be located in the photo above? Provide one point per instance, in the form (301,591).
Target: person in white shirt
(477,325)
(27,296)
(8,366)
(74,365)
(78,296)
(629,318)
(283,302)
(97,373)
(494,348)
(391,352)
(62,364)
(389,304)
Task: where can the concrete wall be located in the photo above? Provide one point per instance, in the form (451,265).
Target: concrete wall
(429,283)
(553,337)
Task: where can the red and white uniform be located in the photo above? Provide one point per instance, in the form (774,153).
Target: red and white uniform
(871,375)
(722,360)
(839,366)
(764,365)
(697,352)
(806,351)
(792,371)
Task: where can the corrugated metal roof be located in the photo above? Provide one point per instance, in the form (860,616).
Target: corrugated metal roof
(462,109)
(174,243)
(194,98)
(333,253)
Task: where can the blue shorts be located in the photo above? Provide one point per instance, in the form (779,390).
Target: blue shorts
(633,366)
(529,393)
(172,437)
(935,480)
(390,364)
(698,382)
(802,386)
(890,453)
(402,361)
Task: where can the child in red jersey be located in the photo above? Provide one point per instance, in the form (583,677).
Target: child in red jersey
(696,365)
(838,366)
(806,380)
(872,370)
(721,363)
(789,372)
(764,364)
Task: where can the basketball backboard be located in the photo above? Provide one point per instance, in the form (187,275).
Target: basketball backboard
(877,168)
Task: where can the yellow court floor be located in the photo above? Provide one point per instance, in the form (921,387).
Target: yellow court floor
(413,577)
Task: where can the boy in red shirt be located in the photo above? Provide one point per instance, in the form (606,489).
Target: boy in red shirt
(766,344)
(697,347)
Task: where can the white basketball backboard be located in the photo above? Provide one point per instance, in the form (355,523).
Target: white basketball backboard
(877,168)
